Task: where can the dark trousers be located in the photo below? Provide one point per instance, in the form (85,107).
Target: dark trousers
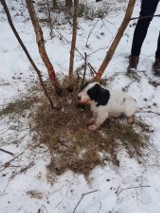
(148,8)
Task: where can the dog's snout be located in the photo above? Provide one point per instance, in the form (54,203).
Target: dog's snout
(79,97)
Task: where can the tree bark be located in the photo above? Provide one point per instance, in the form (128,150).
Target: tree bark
(73,44)
(41,46)
(116,40)
(26,51)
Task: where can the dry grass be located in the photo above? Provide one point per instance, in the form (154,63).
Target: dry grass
(18,106)
(74,147)
(65,130)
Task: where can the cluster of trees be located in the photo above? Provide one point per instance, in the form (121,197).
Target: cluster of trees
(41,44)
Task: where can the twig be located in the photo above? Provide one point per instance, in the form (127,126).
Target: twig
(84,194)
(10,153)
(27,167)
(88,64)
(23,169)
(143,17)
(85,66)
(134,187)
(7,164)
(148,111)
(91,32)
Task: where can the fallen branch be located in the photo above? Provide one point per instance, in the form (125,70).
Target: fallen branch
(84,194)
(10,153)
(7,164)
(24,169)
(134,187)
(27,167)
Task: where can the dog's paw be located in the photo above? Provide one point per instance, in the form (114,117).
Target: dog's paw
(91,121)
(93,127)
(130,120)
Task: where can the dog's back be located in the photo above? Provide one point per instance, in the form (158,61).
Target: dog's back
(121,103)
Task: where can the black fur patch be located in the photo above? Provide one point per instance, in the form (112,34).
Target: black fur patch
(99,94)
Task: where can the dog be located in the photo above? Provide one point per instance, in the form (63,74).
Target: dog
(106,103)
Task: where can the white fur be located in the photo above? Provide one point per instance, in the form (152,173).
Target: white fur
(115,107)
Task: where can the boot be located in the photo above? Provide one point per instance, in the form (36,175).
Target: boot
(133,62)
(131,70)
(156,67)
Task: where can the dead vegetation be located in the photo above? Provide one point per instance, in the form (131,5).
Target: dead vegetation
(18,106)
(65,131)
(74,147)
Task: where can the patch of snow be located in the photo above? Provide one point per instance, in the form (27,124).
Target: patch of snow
(131,187)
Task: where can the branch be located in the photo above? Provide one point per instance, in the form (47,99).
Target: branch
(10,153)
(88,64)
(143,17)
(91,32)
(7,164)
(84,194)
(134,187)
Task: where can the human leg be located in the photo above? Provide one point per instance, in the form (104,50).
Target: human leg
(156,65)
(148,8)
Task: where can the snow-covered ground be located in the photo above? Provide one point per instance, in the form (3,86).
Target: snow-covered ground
(131,187)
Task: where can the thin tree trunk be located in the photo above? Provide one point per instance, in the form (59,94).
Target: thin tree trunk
(25,50)
(49,18)
(68,7)
(41,46)
(54,3)
(73,44)
(118,37)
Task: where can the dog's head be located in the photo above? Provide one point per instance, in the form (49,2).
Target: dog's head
(93,92)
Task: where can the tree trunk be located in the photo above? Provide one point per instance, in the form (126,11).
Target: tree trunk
(118,37)
(41,46)
(49,19)
(68,4)
(25,50)
(73,44)
(68,7)
(54,3)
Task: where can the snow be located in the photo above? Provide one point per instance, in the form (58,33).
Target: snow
(131,187)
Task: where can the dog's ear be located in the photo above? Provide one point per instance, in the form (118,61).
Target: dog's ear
(94,92)
(99,94)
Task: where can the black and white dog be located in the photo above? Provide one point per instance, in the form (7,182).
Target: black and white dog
(106,103)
